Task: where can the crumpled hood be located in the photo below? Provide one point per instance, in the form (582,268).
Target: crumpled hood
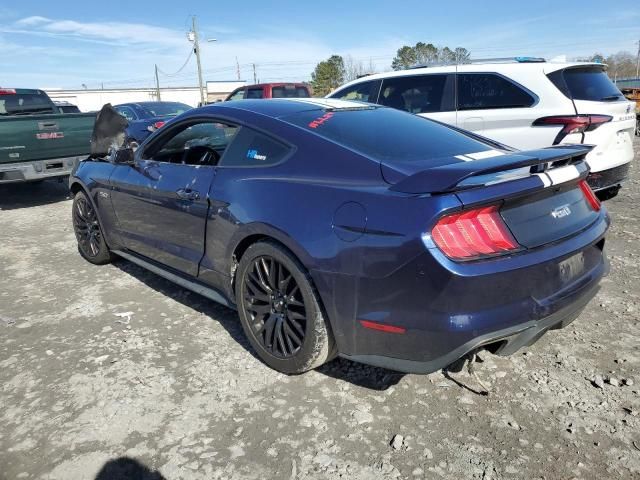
(108,132)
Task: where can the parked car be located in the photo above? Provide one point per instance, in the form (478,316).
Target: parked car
(523,102)
(633,94)
(341,228)
(66,107)
(36,140)
(146,117)
(270,90)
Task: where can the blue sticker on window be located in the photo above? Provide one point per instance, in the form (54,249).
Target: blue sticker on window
(255,155)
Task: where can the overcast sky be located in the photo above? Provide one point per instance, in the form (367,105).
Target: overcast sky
(70,43)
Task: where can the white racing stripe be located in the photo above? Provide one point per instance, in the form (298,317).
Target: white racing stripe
(563,174)
(546,181)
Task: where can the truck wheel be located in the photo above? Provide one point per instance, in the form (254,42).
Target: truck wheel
(86,226)
(280,311)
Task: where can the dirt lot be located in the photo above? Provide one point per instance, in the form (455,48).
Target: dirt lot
(113,370)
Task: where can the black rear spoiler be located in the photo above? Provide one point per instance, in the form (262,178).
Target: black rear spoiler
(446,178)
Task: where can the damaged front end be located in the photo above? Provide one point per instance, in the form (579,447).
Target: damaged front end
(109,135)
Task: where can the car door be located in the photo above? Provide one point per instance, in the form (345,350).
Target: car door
(428,95)
(496,107)
(162,203)
(238,196)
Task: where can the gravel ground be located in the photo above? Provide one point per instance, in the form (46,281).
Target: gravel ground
(112,372)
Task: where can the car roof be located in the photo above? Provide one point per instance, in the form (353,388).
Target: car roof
(498,66)
(278,107)
(275,84)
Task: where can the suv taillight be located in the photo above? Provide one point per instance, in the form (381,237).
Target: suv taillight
(591,198)
(572,124)
(7,91)
(473,234)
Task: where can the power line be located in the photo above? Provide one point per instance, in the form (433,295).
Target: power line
(181,68)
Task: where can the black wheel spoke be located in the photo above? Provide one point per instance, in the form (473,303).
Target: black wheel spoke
(87,228)
(275,307)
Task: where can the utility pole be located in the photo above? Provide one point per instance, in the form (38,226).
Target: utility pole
(237,68)
(638,62)
(157,84)
(255,79)
(196,50)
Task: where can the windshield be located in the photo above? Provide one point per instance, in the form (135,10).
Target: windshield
(390,135)
(165,109)
(25,104)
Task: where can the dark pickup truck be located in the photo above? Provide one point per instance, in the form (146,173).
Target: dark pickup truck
(36,140)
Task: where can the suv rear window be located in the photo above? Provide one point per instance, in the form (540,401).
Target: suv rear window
(481,91)
(586,83)
(419,93)
(388,135)
(289,92)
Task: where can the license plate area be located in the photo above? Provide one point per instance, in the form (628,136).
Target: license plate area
(571,268)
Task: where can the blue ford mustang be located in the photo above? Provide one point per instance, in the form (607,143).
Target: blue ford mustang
(341,228)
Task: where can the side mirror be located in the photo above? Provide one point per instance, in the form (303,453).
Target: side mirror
(124,155)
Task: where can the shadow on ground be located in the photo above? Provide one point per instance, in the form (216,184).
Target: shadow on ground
(25,195)
(125,468)
(366,376)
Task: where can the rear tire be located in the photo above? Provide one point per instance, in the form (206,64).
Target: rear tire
(280,310)
(86,226)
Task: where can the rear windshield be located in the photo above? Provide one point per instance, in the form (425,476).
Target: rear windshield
(289,92)
(25,104)
(587,83)
(166,109)
(389,135)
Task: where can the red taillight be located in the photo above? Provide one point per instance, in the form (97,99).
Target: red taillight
(158,125)
(474,233)
(591,198)
(383,327)
(7,91)
(572,123)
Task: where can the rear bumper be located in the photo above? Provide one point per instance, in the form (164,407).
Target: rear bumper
(37,170)
(609,178)
(449,309)
(505,342)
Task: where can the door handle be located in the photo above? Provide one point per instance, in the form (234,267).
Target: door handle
(187,194)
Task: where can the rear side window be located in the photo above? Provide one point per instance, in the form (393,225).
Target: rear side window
(361,92)
(586,83)
(289,91)
(11,104)
(253,149)
(255,93)
(481,91)
(419,93)
(389,135)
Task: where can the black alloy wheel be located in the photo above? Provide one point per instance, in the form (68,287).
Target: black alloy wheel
(86,226)
(277,312)
(280,310)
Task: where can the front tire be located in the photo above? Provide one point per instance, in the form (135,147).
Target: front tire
(86,226)
(280,311)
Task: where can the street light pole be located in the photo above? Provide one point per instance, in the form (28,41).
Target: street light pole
(157,84)
(196,46)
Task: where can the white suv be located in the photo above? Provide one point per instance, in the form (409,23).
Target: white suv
(523,102)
